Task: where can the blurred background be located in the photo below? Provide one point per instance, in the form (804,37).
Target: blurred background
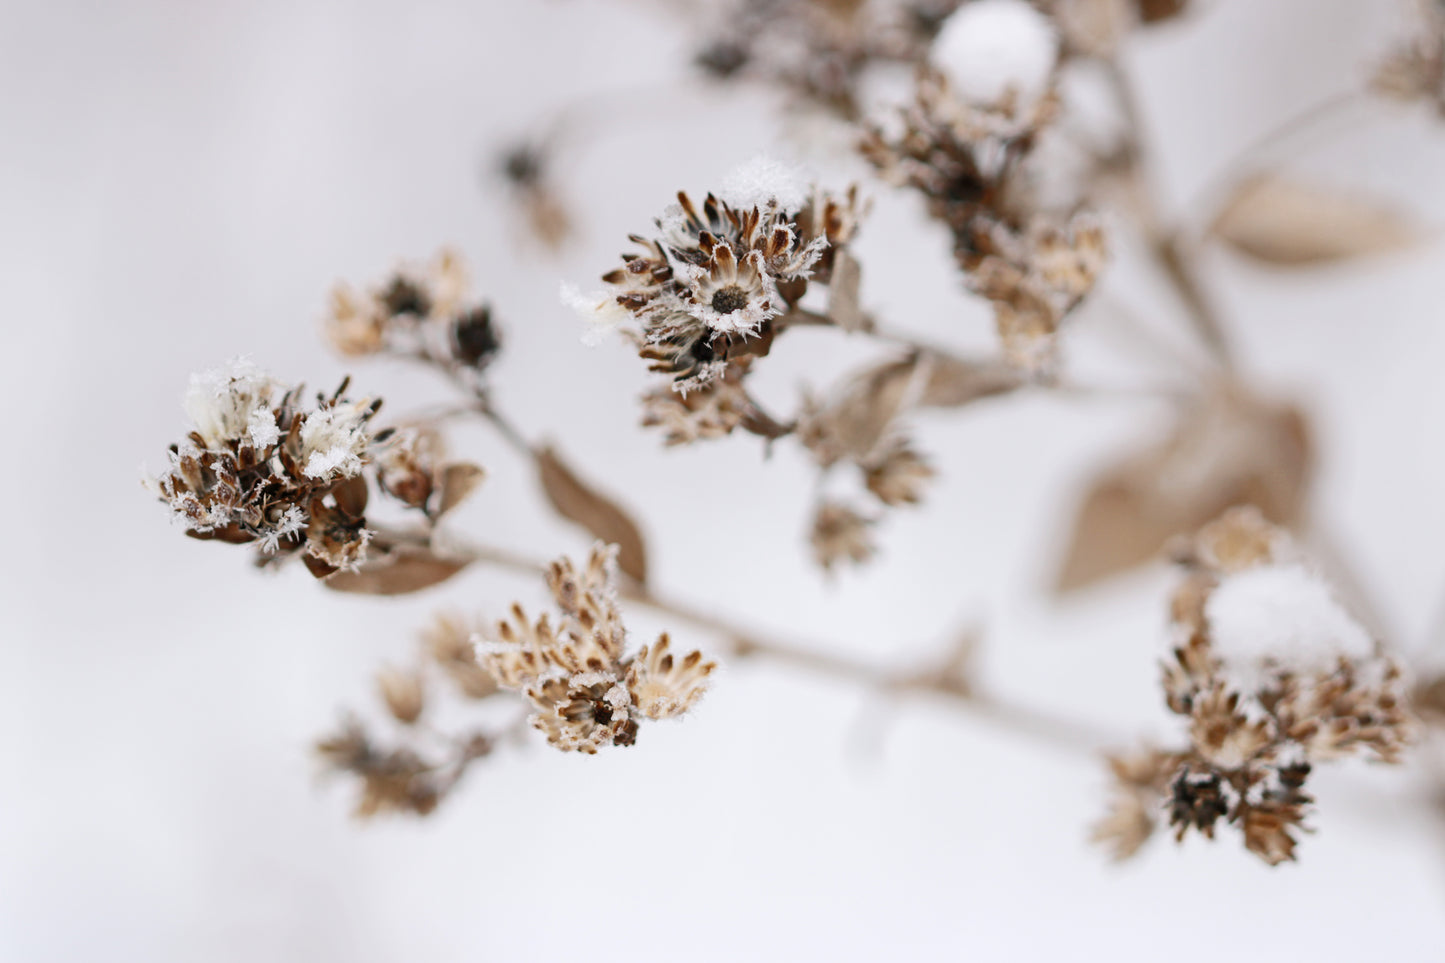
(182,183)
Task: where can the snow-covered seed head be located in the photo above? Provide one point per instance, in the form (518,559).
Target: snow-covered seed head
(233,404)
(992,50)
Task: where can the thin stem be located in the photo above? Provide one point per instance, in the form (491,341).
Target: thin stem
(1166,246)
(1222,182)
(743,643)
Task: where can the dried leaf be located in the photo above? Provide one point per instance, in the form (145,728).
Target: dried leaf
(458,481)
(1288,224)
(843,292)
(955,382)
(573,499)
(1231,449)
(406,568)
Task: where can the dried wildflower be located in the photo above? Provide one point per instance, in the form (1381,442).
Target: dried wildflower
(966,154)
(1272,677)
(841,534)
(403,692)
(708,295)
(448,643)
(1135,805)
(411,777)
(260,468)
(818,50)
(527,170)
(710,412)
(587,692)
(1415,69)
(663,686)
(392,781)
(898,475)
(417,312)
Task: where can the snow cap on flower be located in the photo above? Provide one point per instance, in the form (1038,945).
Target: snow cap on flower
(989,49)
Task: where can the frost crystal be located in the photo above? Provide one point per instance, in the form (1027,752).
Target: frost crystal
(229,403)
(990,48)
(598,308)
(764,180)
(1284,612)
(333,440)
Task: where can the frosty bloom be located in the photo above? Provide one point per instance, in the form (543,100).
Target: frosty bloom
(260,468)
(587,692)
(231,404)
(1281,617)
(333,441)
(707,288)
(993,50)
(765,182)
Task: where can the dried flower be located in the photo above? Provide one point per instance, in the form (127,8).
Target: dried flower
(403,692)
(587,692)
(841,534)
(967,157)
(260,468)
(706,291)
(417,312)
(1272,677)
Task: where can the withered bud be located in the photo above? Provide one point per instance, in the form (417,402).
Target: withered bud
(474,337)
(404,693)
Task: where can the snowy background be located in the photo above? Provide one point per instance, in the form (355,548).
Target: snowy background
(181,183)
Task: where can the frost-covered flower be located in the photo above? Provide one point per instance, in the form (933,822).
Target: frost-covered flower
(1272,677)
(333,440)
(996,50)
(706,290)
(258,467)
(233,404)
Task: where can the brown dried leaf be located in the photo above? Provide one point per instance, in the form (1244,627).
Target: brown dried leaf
(955,382)
(458,481)
(1230,449)
(1288,224)
(573,499)
(407,568)
(843,292)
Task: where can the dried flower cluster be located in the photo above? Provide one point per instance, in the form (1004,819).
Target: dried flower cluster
(708,293)
(417,771)
(1272,678)
(1415,69)
(969,160)
(258,467)
(587,691)
(1268,675)
(419,311)
(818,50)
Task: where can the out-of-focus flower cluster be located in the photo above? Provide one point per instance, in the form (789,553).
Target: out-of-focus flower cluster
(586,690)
(1272,677)
(965,145)
(415,772)
(420,311)
(821,51)
(1415,69)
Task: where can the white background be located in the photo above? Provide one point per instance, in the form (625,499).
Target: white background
(181,183)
